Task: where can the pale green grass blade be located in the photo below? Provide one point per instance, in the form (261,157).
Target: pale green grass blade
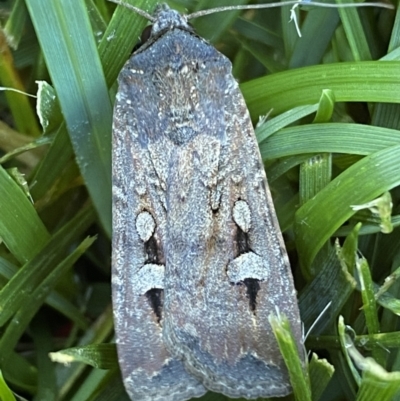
(298,372)
(375,382)
(21,229)
(345,342)
(55,299)
(281,167)
(276,123)
(315,174)
(5,392)
(385,340)
(370,306)
(369,81)
(100,356)
(318,219)
(354,33)
(19,288)
(77,76)
(321,372)
(328,137)
(71,377)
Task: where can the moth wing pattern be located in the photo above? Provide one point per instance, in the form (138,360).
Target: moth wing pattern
(226,264)
(149,371)
(199,263)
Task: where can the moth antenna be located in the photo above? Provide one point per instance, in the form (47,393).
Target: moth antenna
(134,9)
(286,3)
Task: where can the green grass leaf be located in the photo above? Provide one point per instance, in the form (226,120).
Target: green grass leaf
(78,78)
(367,81)
(319,218)
(20,226)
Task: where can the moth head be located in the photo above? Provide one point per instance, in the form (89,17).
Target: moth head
(166,19)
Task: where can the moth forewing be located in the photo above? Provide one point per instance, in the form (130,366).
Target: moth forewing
(226,265)
(139,239)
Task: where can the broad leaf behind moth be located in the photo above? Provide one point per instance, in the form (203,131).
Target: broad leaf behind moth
(198,258)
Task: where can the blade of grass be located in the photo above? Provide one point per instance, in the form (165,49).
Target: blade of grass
(298,371)
(367,81)
(121,35)
(55,299)
(52,165)
(265,130)
(78,78)
(321,372)
(47,383)
(100,356)
(21,374)
(311,33)
(72,376)
(14,27)
(369,306)
(22,318)
(19,289)
(354,33)
(319,218)
(21,229)
(5,393)
(333,281)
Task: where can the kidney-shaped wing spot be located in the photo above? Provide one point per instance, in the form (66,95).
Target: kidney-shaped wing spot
(247,268)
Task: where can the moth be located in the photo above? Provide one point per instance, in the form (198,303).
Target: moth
(199,262)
